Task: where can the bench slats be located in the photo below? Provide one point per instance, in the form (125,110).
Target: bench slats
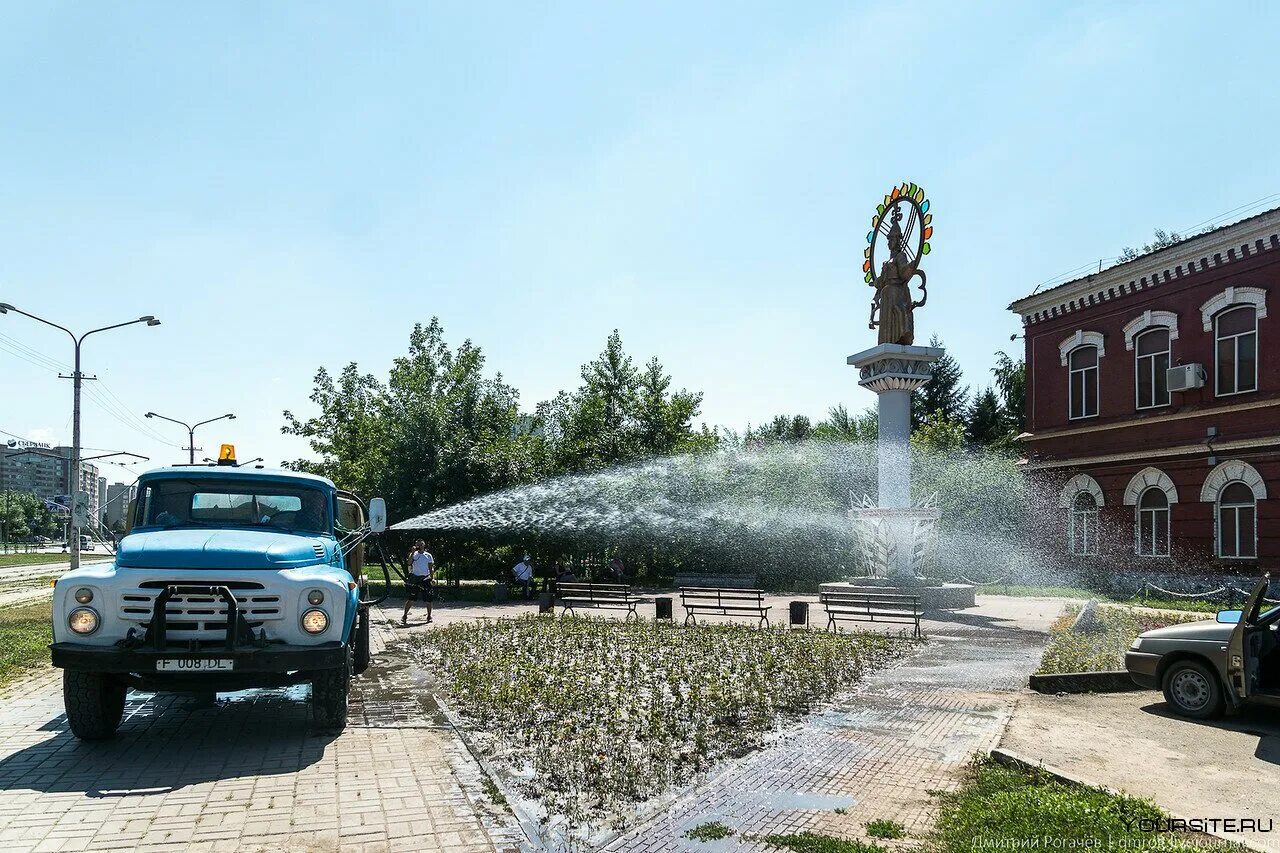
(722,601)
(871,607)
(597,595)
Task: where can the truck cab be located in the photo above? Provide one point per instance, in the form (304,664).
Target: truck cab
(227,579)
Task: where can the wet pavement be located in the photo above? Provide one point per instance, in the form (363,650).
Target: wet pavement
(246,774)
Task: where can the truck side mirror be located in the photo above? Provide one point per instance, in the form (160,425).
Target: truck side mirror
(377,515)
(1230,617)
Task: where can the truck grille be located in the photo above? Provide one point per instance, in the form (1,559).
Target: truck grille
(197,617)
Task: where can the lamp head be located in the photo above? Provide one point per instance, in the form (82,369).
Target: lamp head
(150,414)
(151,321)
(231,417)
(4,307)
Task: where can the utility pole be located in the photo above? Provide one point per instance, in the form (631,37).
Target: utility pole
(73,529)
(191,430)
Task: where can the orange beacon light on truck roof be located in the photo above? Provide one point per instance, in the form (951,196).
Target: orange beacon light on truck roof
(227,455)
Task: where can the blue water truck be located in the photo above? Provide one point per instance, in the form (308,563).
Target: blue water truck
(228,578)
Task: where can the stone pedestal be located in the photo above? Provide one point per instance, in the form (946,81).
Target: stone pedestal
(894,372)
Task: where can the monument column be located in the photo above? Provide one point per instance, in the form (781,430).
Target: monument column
(894,372)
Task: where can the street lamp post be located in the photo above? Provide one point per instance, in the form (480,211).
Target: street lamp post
(76,378)
(191,430)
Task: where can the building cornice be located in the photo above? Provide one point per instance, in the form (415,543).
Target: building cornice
(1247,238)
(1149,420)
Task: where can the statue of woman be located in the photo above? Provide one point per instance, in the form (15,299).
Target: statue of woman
(893,294)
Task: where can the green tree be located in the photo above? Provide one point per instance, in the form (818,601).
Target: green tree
(986,423)
(841,426)
(939,433)
(942,396)
(1011,379)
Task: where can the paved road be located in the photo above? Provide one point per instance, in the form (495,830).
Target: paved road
(1233,765)
(245,775)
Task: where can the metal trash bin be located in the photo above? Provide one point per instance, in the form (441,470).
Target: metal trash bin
(662,607)
(799,614)
(499,593)
(546,602)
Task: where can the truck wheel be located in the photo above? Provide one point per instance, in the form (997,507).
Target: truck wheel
(94,703)
(329,691)
(363,653)
(1193,690)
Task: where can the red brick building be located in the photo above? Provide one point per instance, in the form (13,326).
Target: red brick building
(1153,405)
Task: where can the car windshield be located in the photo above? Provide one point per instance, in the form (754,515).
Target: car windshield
(232,503)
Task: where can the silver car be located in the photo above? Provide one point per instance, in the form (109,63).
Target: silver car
(1203,667)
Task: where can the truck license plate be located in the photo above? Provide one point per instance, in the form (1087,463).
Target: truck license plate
(194,665)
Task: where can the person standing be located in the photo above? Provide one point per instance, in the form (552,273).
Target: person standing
(523,573)
(418,585)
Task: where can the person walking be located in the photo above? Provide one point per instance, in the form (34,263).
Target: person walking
(419,584)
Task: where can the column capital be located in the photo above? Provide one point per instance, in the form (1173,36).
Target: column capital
(895,367)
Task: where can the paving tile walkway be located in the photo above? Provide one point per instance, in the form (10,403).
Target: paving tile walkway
(877,754)
(244,776)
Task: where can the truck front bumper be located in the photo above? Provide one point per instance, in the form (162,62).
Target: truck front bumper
(274,658)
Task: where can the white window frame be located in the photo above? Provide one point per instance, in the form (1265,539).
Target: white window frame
(1139,512)
(1217,338)
(1071,384)
(1089,535)
(1137,368)
(1218,507)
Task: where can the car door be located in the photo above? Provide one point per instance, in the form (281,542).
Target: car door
(1242,659)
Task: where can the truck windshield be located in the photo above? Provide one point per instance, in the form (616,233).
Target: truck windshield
(232,503)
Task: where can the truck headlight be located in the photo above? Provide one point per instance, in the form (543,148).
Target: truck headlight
(84,595)
(315,621)
(315,597)
(83,620)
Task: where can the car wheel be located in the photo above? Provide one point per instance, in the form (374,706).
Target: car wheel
(94,703)
(1193,690)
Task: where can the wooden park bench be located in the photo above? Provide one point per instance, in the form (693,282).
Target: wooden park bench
(871,607)
(598,595)
(722,601)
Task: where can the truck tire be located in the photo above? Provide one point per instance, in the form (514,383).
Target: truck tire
(94,703)
(1193,690)
(330,689)
(363,654)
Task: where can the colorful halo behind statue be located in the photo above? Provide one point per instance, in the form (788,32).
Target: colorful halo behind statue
(911,200)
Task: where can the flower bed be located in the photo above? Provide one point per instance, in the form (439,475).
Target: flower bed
(1103,650)
(595,715)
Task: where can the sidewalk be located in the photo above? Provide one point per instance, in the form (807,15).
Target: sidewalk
(244,776)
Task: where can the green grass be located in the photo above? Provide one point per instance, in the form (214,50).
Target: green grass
(1103,650)
(25,635)
(885,829)
(7,560)
(812,842)
(1187,604)
(712,830)
(593,715)
(996,807)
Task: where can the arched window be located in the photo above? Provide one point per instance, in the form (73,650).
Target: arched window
(1236,357)
(1237,521)
(1083,366)
(1152,523)
(1082,525)
(1151,359)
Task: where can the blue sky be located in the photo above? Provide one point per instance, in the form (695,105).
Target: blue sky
(290,185)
